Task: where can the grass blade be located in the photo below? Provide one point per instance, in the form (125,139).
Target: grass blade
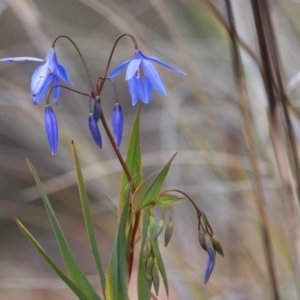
(87,216)
(117,273)
(80,294)
(73,269)
(133,161)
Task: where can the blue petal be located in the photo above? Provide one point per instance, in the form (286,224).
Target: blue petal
(63,74)
(133,90)
(118,69)
(117,123)
(95,132)
(153,76)
(51,127)
(158,61)
(208,269)
(56,90)
(11,59)
(144,89)
(133,65)
(40,82)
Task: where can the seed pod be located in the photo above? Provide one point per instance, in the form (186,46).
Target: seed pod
(158,229)
(51,127)
(168,232)
(117,123)
(155,277)
(209,248)
(208,269)
(97,109)
(95,132)
(217,245)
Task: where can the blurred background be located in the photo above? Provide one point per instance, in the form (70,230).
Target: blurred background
(200,119)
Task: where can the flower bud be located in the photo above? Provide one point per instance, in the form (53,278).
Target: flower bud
(208,269)
(217,245)
(149,266)
(155,277)
(95,132)
(201,237)
(168,232)
(209,248)
(117,123)
(97,109)
(158,229)
(51,128)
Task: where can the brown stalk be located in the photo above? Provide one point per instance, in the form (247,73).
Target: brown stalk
(272,67)
(247,120)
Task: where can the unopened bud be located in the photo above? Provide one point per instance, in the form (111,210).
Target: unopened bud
(158,229)
(95,132)
(51,127)
(210,248)
(201,237)
(97,109)
(168,232)
(117,123)
(155,277)
(208,269)
(217,245)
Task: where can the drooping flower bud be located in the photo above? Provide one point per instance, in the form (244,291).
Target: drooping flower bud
(201,237)
(97,109)
(158,229)
(208,269)
(51,128)
(217,245)
(117,123)
(210,248)
(168,232)
(95,132)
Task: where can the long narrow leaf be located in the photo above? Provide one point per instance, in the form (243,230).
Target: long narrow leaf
(73,269)
(87,217)
(161,266)
(147,192)
(143,289)
(133,161)
(117,273)
(81,295)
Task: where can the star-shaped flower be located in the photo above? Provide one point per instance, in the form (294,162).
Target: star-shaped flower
(49,72)
(142,76)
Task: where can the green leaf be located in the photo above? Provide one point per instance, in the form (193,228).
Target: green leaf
(117,273)
(75,272)
(148,191)
(161,266)
(79,293)
(133,161)
(143,289)
(87,217)
(165,200)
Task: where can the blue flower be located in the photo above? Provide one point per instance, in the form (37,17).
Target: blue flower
(142,76)
(49,72)
(51,128)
